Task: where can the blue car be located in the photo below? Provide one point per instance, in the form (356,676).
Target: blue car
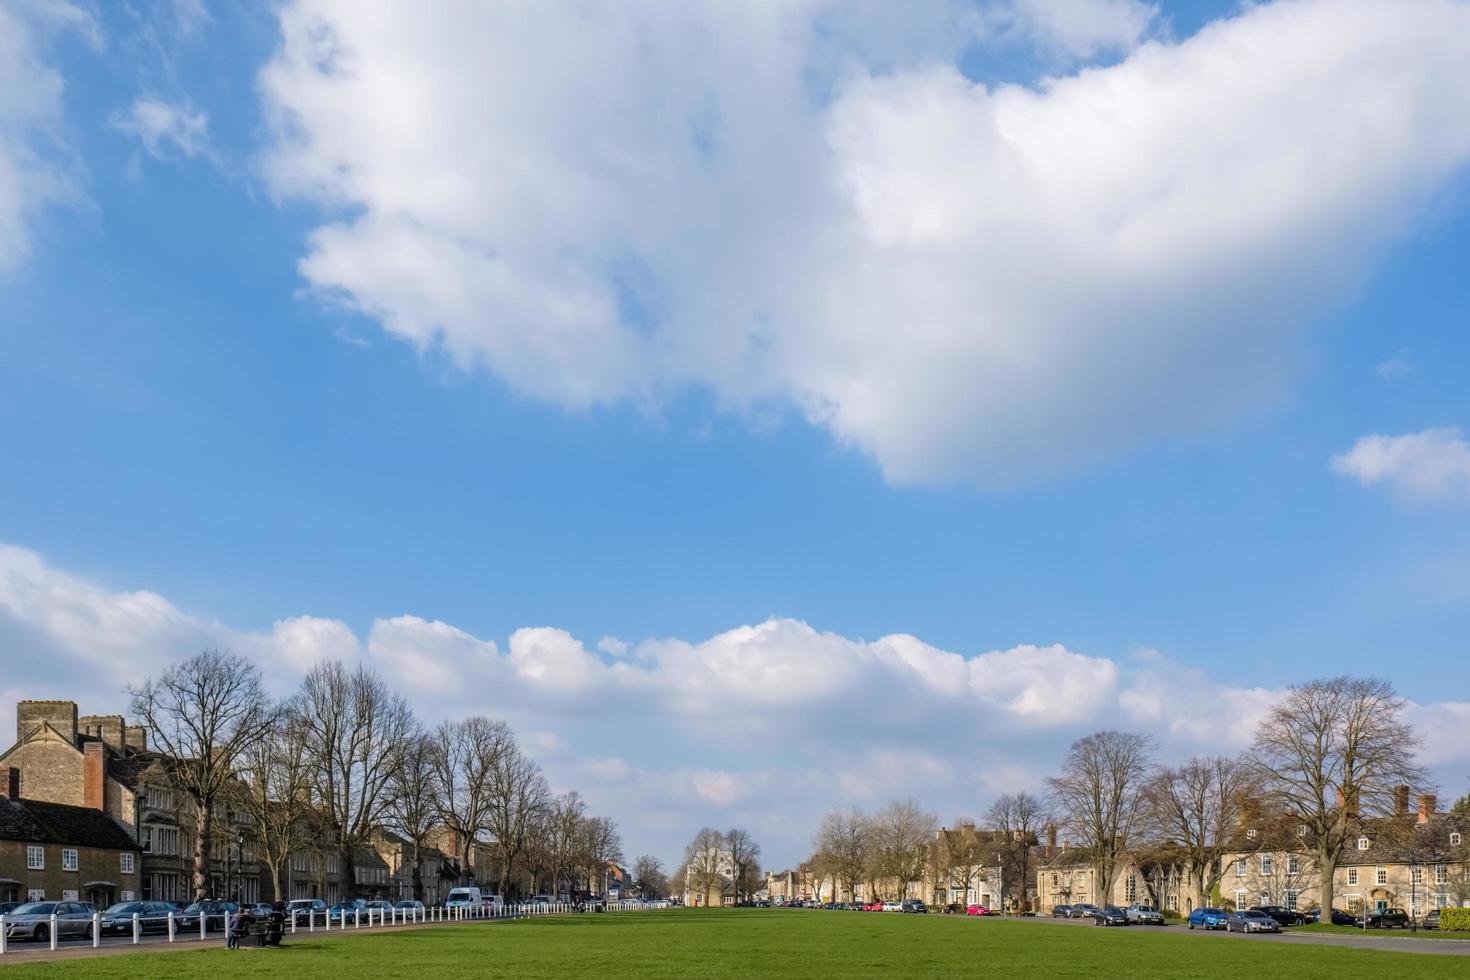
(1208,918)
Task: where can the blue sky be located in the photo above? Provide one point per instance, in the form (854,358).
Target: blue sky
(191,408)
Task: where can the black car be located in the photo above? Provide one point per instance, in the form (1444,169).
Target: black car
(1283,915)
(955,908)
(117,919)
(1341,918)
(1383,919)
(1061,911)
(914,906)
(1110,915)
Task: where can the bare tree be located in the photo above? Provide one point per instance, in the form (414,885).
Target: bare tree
(1099,796)
(648,876)
(842,845)
(518,798)
(467,754)
(958,857)
(706,866)
(563,829)
(275,792)
(417,798)
(902,831)
(1332,754)
(205,714)
(745,856)
(353,726)
(598,846)
(1195,807)
(1018,820)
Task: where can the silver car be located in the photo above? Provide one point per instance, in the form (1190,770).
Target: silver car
(1144,915)
(33,921)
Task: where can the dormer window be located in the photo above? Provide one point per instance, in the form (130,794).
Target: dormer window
(1363,843)
(1251,834)
(1301,831)
(1455,839)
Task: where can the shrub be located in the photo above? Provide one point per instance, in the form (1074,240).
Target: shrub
(1456,920)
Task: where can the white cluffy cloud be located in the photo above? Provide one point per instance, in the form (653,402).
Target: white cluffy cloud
(165,128)
(795,205)
(37,162)
(1430,466)
(670,734)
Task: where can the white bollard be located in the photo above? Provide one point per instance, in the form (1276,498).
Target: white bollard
(357,918)
(96,930)
(3,930)
(137,929)
(53,930)
(203,925)
(170,926)
(311,920)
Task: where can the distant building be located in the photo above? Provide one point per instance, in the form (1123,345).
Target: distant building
(61,852)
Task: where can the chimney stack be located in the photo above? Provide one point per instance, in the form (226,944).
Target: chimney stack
(1401,801)
(1427,804)
(1051,841)
(10,782)
(94,776)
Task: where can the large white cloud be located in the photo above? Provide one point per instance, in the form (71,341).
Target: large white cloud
(37,163)
(796,204)
(1431,466)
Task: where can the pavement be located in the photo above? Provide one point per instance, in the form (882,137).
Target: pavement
(1373,939)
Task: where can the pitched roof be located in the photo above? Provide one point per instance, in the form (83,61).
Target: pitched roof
(58,823)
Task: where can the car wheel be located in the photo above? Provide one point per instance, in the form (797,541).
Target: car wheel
(42,934)
(88,934)
(1191,925)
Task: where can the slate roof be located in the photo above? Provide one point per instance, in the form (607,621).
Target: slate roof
(57,823)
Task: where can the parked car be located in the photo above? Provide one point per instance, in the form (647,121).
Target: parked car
(214,914)
(464,896)
(1061,911)
(306,911)
(1431,920)
(873,907)
(1206,917)
(978,910)
(8,907)
(33,921)
(1110,915)
(260,911)
(1251,921)
(1341,918)
(1144,915)
(1283,915)
(117,919)
(410,906)
(913,906)
(954,908)
(1383,919)
(1082,911)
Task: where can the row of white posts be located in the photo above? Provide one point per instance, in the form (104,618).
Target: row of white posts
(388,916)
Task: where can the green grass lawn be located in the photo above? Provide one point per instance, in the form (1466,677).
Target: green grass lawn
(720,943)
(1332,930)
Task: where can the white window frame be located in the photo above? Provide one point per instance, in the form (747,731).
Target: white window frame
(1456,838)
(1290,899)
(35,858)
(1380,875)
(1240,867)
(1416,876)
(68,860)
(1441,874)
(70,895)
(1364,843)
(35,894)
(127,861)
(1293,864)
(1352,876)
(1266,864)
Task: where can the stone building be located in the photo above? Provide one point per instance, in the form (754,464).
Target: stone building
(62,852)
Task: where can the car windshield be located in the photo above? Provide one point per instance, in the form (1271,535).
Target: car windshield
(36,908)
(1256,915)
(122,908)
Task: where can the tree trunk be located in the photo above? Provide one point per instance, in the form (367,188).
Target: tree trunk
(418,876)
(203,830)
(1326,869)
(347,877)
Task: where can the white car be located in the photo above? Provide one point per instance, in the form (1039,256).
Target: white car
(892,907)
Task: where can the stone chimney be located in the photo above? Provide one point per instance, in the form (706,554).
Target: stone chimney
(136,737)
(1401,801)
(1051,842)
(61,715)
(10,783)
(94,776)
(1427,805)
(109,728)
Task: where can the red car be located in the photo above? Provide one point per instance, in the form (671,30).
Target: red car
(873,907)
(978,910)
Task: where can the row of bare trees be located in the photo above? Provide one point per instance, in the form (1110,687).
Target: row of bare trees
(1332,755)
(718,862)
(345,756)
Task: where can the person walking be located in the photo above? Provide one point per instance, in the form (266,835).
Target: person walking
(233,919)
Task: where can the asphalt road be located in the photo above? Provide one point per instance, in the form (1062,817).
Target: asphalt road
(1386,941)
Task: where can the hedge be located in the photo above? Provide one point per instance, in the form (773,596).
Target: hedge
(1457,920)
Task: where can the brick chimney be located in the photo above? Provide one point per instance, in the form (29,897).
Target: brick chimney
(1427,805)
(94,776)
(1051,841)
(1401,801)
(10,783)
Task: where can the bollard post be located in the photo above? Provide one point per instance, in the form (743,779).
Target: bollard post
(203,925)
(357,918)
(311,920)
(170,926)
(96,930)
(3,930)
(137,929)
(53,930)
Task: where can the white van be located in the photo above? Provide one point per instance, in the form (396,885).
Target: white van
(463,896)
